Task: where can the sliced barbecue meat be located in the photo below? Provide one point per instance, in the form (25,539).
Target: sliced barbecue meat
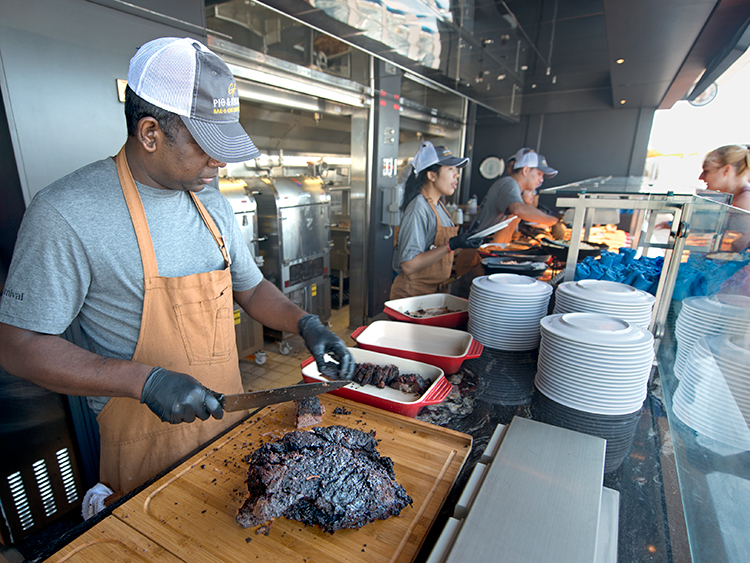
(360,372)
(309,412)
(332,476)
(367,377)
(410,383)
(392,374)
(367,373)
(378,376)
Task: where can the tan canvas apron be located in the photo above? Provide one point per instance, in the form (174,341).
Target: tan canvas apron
(429,279)
(187,326)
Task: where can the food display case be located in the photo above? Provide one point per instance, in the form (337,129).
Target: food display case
(681,210)
(702,323)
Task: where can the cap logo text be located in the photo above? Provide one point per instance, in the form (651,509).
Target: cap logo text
(230,104)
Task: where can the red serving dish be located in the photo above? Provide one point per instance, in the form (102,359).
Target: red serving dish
(396,309)
(445,348)
(387,398)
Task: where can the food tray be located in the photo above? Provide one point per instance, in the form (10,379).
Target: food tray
(532,254)
(561,253)
(387,398)
(497,265)
(445,348)
(396,309)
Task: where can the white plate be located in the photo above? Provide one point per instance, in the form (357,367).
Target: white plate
(623,402)
(513,284)
(631,317)
(585,406)
(505,330)
(628,308)
(494,228)
(624,374)
(584,365)
(606,291)
(596,329)
(512,317)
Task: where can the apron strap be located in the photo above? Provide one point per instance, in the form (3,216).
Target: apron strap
(434,209)
(138,216)
(140,223)
(220,241)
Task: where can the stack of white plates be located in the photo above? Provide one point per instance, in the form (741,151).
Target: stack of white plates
(713,397)
(707,316)
(594,363)
(505,310)
(611,298)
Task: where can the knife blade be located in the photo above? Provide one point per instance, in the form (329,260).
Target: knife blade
(244,401)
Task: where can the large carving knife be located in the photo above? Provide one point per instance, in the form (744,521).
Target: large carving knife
(244,401)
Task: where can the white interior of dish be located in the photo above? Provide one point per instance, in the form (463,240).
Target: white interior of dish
(404,366)
(433,340)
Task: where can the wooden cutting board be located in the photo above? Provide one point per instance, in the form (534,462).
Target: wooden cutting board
(191,511)
(112,540)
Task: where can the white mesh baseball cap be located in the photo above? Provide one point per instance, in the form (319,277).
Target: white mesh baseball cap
(532,159)
(183,76)
(429,154)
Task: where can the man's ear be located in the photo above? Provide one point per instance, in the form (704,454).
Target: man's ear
(148,133)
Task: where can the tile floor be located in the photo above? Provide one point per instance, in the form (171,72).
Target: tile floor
(279,369)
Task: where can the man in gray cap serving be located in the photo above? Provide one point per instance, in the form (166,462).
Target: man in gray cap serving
(506,196)
(138,248)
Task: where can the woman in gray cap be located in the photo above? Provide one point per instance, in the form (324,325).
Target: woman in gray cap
(427,237)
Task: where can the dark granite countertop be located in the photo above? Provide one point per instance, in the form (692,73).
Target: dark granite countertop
(497,386)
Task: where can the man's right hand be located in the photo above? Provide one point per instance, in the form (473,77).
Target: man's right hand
(177,397)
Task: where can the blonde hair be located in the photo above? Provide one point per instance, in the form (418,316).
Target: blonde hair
(736,155)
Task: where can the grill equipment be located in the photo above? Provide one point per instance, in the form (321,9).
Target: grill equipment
(294,221)
(249,332)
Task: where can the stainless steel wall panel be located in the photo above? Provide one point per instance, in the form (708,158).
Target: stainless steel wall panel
(59,62)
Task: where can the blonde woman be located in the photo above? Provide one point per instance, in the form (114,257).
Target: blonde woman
(727,170)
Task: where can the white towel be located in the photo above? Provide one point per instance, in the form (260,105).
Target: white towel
(93,500)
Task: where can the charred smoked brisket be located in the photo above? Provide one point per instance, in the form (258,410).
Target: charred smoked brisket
(366,373)
(332,476)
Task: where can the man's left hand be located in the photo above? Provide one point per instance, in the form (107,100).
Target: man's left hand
(321,341)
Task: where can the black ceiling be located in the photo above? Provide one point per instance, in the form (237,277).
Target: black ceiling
(570,48)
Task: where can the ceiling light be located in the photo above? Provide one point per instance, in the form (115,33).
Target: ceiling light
(501,77)
(622,102)
(620,61)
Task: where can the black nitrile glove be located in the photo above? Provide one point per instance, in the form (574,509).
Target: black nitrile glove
(463,241)
(177,397)
(320,341)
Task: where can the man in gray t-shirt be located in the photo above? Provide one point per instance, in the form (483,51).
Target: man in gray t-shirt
(506,196)
(146,253)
